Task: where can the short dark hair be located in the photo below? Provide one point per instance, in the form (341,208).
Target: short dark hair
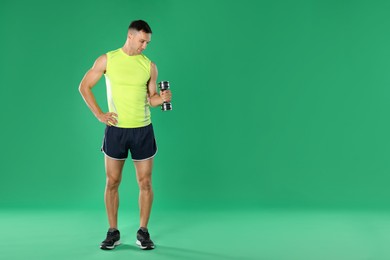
(140,25)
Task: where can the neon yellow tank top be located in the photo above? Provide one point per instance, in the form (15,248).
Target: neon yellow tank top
(126,82)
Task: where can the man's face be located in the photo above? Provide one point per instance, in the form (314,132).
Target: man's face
(140,40)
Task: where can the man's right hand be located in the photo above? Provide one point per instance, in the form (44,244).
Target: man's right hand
(109,118)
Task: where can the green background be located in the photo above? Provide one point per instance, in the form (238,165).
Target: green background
(277,104)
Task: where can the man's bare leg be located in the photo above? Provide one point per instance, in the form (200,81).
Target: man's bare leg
(111,197)
(144,178)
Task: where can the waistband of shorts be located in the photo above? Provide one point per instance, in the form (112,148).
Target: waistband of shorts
(131,127)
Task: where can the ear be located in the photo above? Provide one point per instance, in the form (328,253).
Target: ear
(129,35)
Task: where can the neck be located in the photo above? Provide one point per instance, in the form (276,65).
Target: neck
(126,49)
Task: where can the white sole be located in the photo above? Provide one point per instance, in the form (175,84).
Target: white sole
(117,243)
(142,247)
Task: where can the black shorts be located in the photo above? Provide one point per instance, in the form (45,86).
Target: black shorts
(140,141)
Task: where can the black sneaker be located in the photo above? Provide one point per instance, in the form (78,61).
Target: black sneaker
(143,240)
(112,240)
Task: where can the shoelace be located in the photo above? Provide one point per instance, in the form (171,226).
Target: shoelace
(145,235)
(110,237)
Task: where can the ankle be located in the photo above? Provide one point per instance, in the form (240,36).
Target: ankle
(144,229)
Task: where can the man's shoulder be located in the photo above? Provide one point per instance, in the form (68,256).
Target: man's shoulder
(145,58)
(113,52)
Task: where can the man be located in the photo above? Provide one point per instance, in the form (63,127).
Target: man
(131,89)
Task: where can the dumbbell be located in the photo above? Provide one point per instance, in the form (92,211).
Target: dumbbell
(164,85)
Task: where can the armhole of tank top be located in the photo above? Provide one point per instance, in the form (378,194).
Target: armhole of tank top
(150,68)
(107,58)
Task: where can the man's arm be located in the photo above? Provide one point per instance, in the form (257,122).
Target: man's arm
(154,98)
(88,82)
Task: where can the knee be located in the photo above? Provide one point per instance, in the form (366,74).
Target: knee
(145,184)
(112,183)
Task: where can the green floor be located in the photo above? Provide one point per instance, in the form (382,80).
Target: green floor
(200,234)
